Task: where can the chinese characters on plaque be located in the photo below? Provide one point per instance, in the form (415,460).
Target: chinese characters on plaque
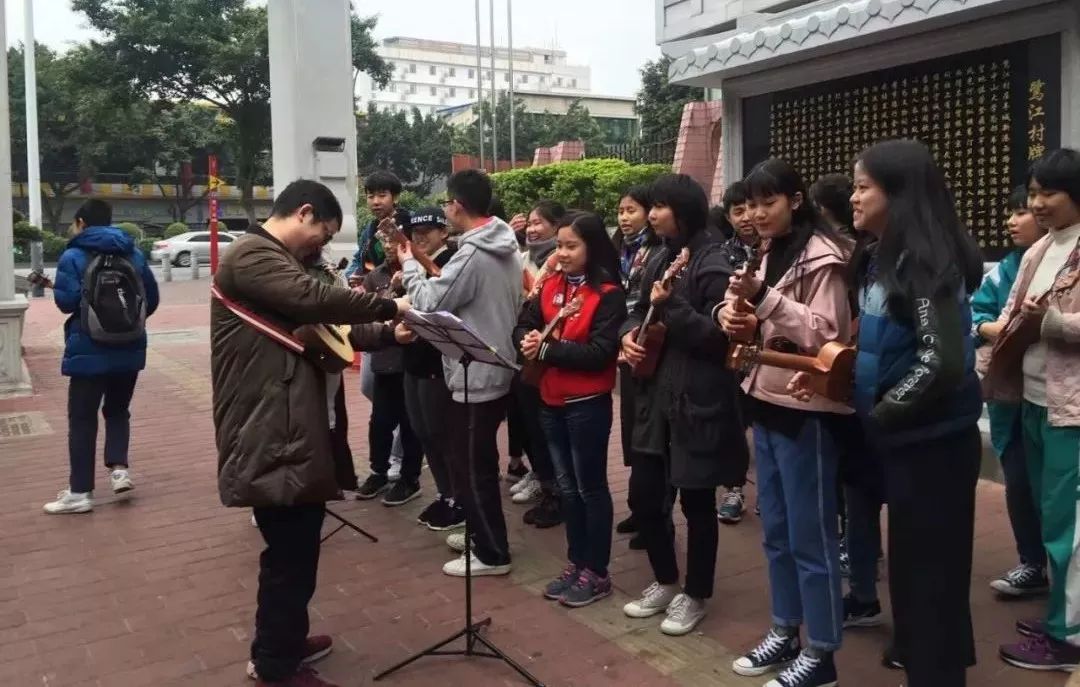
(963,114)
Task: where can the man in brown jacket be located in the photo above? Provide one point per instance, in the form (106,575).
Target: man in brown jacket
(271,417)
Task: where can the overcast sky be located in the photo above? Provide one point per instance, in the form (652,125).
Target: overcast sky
(614,37)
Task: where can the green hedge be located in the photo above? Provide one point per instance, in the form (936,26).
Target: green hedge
(131,229)
(175,229)
(52,246)
(147,245)
(595,185)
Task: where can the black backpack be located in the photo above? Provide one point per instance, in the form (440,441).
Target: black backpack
(113,300)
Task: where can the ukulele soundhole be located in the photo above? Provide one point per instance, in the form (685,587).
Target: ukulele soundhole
(335,333)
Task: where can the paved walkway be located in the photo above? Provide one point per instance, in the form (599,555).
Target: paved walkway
(159,590)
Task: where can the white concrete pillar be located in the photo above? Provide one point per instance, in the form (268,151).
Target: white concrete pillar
(313,123)
(14,378)
(1070,81)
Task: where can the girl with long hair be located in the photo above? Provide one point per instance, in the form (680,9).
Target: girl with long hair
(688,433)
(918,396)
(575,389)
(798,302)
(635,241)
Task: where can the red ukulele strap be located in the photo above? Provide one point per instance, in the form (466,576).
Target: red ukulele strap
(258,323)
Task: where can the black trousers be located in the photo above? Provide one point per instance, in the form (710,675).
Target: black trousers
(427,401)
(475,477)
(387,414)
(653,516)
(85,395)
(525,408)
(288,568)
(930,487)
(344,470)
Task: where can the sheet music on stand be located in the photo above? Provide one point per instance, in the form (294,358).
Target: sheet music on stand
(454,338)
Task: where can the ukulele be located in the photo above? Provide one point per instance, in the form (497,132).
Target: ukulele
(38,278)
(533,284)
(831,370)
(327,345)
(752,265)
(390,231)
(532,370)
(651,334)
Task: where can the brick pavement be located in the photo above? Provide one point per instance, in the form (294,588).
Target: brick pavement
(159,589)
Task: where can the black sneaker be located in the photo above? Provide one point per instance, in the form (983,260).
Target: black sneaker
(845,559)
(637,542)
(514,473)
(773,653)
(732,507)
(433,508)
(626,526)
(890,658)
(374,485)
(1023,580)
(860,614)
(401,493)
(547,513)
(450,517)
(808,670)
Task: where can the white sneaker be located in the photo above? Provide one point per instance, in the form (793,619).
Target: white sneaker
(254,522)
(456,541)
(523,482)
(527,493)
(683,615)
(394,473)
(68,502)
(653,600)
(456,568)
(121,481)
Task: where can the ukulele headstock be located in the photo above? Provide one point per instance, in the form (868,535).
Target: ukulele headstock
(677,266)
(390,231)
(572,308)
(741,357)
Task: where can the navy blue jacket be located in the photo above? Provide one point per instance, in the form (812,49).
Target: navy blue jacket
(82,356)
(915,379)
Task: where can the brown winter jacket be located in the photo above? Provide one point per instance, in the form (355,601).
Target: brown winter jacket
(270,414)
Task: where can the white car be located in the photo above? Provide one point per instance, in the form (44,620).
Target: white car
(180,249)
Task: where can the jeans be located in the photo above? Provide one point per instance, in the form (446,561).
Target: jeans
(863,540)
(653,515)
(85,396)
(930,488)
(577,435)
(288,568)
(1020,502)
(527,404)
(427,401)
(797,496)
(367,388)
(387,414)
(475,475)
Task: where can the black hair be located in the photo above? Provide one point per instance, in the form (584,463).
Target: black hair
(779,177)
(687,201)
(550,211)
(639,193)
(382,180)
(496,208)
(1018,199)
(602,262)
(1058,170)
(95,213)
(925,250)
(718,219)
(736,194)
(833,193)
(471,188)
(307,192)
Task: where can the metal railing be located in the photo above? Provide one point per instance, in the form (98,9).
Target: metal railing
(637,152)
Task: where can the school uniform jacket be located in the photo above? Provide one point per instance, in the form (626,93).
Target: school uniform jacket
(581,362)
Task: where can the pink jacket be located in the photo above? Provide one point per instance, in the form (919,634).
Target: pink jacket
(809,306)
(1060,330)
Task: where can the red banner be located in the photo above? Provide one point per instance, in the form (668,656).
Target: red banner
(212,195)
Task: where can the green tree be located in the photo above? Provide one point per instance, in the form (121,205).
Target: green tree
(215,51)
(82,129)
(414,147)
(660,103)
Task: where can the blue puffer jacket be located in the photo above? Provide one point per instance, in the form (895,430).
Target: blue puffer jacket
(915,380)
(82,356)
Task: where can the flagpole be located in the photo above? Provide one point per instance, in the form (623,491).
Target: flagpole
(510,48)
(479,88)
(494,96)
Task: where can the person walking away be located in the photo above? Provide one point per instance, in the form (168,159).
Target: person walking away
(104,284)
(799,302)
(275,451)
(1029,577)
(575,387)
(1047,295)
(635,241)
(427,399)
(481,284)
(688,430)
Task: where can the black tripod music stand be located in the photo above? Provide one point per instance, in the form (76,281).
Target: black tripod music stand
(346,523)
(456,341)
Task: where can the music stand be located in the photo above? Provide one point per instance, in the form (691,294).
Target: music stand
(346,523)
(457,341)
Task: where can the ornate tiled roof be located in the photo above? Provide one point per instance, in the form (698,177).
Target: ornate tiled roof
(810,26)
